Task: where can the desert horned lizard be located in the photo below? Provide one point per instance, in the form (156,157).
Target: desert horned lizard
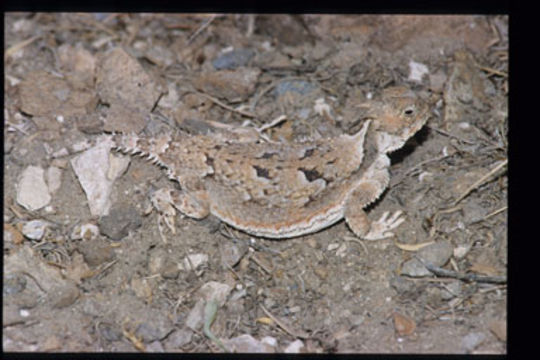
(282,190)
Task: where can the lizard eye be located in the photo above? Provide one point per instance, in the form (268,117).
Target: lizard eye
(409,111)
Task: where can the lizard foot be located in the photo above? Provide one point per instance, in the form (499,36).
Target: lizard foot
(380,229)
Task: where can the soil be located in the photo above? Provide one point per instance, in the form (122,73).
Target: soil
(117,285)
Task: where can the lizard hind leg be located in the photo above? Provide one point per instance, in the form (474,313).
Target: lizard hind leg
(167,201)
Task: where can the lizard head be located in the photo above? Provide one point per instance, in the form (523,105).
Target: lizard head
(396,117)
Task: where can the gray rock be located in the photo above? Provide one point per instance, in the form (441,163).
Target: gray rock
(121,220)
(233,59)
(471,341)
(298,86)
(436,254)
(248,344)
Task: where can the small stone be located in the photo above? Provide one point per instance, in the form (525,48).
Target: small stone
(121,220)
(64,296)
(178,339)
(32,191)
(294,348)
(471,341)
(298,86)
(233,59)
(110,332)
(332,247)
(96,252)
(417,71)
(232,85)
(35,229)
(232,253)
(248,344)
(403,324)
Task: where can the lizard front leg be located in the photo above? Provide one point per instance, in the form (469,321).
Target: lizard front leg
(359,223)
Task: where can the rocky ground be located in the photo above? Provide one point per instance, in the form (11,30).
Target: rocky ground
(85,266)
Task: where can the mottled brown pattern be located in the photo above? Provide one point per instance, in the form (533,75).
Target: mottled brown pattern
(281,190)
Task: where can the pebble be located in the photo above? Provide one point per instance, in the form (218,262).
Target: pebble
(64,296)
(471,341)
(110,332)
(231,85)
(35,229)
(119,222)
(417,71)
(32,191)
(294,348)
(96,253)
(298,86)
(248,344)
(233,59)
(232,253)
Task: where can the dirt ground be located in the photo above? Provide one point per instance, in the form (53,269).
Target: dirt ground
(77,281)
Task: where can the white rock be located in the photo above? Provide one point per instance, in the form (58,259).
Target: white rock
(91,168)
(54,178)
(32,191)
(417,71)
(35,229)
(268,340)
(248,344)
(294,347)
